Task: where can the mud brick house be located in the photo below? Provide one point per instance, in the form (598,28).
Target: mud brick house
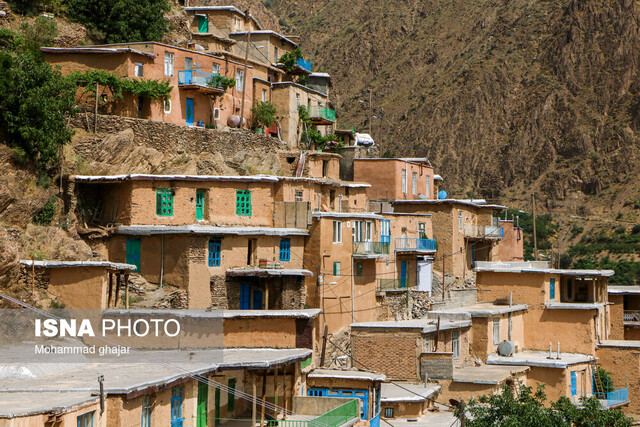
(466,231)
(397,179)
(78,284)
(193,101)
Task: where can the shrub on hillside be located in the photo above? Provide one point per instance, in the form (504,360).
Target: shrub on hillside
(121,21)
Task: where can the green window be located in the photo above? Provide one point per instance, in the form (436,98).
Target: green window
(203,24)
(199,205)
(336,268)
(164,202)
(243,202)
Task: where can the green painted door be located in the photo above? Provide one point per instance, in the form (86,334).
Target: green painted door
(217,406)
(203,397)
(199,205)
(133,253)
(203,24)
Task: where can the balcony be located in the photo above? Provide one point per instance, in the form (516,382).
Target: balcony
(391,285)
(321,115)
(197,80)
(347,413)
(304,64)
(370,249)
(631,315)
(416,245)
(483,232)
(609,400)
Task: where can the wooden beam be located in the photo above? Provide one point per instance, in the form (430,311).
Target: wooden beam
(253,406)
(109,289)
(126,291)
(264,396)
(115,304)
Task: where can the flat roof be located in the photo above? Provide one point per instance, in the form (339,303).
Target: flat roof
(533,267)
(276,85)
(308,313)
(263,32)
(350,374)
(326,181)
(619,343)
(229,8)
(572,306)
(150,177)
(405,214)
(486,374)
(397,159)
(540,359)
(101,50)
(266,272)
(76,264)
(401,392)
(449,201)
(624,290)
(323,75)
(425,325)
(363,215)
(149,230)
(124,374)
(483,309)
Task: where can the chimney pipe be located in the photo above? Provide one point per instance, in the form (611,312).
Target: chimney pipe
(550,350)
(558,354)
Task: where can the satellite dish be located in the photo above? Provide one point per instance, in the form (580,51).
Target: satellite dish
(442,194)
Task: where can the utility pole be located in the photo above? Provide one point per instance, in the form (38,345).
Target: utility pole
(370,114)
(246,59)
(535,237)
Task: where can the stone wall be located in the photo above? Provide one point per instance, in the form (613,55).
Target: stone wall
(167,136)
(394,305)
(30,276)
(219,298)
(437,366)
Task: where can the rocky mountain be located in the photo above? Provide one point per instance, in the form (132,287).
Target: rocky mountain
(504,96)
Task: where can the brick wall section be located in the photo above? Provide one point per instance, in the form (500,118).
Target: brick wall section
(390,353)
(436,366)
(167,136)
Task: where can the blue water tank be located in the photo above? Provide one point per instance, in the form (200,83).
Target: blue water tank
(442,194)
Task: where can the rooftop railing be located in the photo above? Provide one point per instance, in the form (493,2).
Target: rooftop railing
(414,244)
(320,112)
(371,248)
(303,63)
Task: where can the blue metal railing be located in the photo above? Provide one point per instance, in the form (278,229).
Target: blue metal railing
(303,63)
(195,77)
(613,398)
(375,421)
(416,244)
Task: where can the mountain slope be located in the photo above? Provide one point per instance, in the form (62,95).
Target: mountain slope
(498,94)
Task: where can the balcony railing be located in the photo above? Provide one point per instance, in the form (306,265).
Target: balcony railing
(370,248)
(303,63)
(334,418)
(195,77)
(413,244)
(631,316)
(393,285)
(607,400)
(483,231)
(317,112)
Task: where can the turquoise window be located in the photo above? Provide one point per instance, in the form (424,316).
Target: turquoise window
(214,252)
(164,202)
(552,289)
(243,202)
(285,250)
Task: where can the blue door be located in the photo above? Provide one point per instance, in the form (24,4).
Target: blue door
(245,296)
(573,383)
(403,274)
(189,112)
(188,65)
(132,252)
(257,299)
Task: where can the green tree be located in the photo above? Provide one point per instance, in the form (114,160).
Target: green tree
(531,409)
(120,21)
(35,102)
(264,113)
